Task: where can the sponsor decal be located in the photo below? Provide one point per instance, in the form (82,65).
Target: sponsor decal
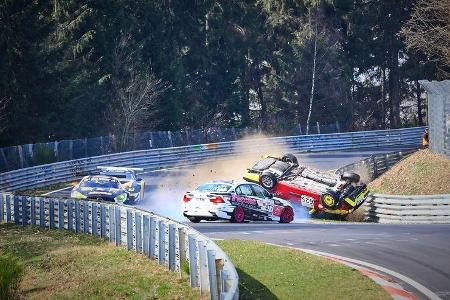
(244,200)
(277,209)
(307,201)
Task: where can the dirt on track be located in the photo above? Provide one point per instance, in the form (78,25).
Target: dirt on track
(422,173)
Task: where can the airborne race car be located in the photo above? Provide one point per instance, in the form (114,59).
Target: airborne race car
(235,202)
(318,191)
(114,184)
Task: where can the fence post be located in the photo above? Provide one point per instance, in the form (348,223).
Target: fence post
(202,259)
(129,229)
(118,230)
(32,212)
(41,212)
(172,247)
(162,242)
(146,235)
(8,208)
(94,220)
(212,274)
(52,213)
(2,197)
(24,211)
(70,215)
(61,214)
(103,220)
(138,231)
(77,216)
(193,266)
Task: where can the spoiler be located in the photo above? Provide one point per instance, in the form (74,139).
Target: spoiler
(119,169)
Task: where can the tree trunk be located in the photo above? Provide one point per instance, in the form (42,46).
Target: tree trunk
(383,97)
(419,104)
(245,102)
(262,102)
(313,82)
(394,89)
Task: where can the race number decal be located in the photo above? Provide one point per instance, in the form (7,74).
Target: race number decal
(307,201)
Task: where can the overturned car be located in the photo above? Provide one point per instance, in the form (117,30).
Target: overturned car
(315,190)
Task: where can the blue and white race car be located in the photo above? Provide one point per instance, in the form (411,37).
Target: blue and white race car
(114,184)
(235,202)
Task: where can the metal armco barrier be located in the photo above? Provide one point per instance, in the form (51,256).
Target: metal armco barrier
(170,243)
(408,209)
(189,155)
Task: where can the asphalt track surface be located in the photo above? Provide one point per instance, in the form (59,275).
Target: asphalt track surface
(420,252)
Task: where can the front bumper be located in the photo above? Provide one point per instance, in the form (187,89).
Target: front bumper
(357,196)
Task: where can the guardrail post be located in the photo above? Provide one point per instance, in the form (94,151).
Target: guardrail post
(162,242)
(94,219)
(33,211)
(181,247)
(193,265)
(2,211)
(85,217)
(212,274)
(202,259)
(103,220)
(52,213)
(16,209)
(138,228)
(129,229)
(112,223)
(42,212)
(146,235)
(8,208)
(69,214)
(61,214)
(153,247)
(24,211)
(172,247)
(118,230)
(77,216)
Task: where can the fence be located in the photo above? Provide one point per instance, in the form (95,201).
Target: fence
(398,208)
(23,156)
(188,155)
(171,244)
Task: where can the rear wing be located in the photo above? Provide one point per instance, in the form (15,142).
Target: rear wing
(119,169)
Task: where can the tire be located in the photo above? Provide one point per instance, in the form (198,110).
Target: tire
(329,200)
(238,215)
(350,176)
(287,215)
(290,158)
(268,180)
(194,219)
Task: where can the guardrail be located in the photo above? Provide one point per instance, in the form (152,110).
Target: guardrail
(188,155)
(408,209)
(170,243)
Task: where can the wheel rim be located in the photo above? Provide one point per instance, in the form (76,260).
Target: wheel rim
(288,215)
(266,181)
(328,200)
(239,214)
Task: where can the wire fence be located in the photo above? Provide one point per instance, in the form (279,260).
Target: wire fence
(29,155)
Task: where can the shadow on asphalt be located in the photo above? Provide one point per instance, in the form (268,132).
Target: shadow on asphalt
(250,288)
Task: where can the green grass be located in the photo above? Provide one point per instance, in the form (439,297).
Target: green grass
(11,271)
(46,189)
(59,264)
(271,272)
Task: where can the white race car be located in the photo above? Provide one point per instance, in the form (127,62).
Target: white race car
(236,202)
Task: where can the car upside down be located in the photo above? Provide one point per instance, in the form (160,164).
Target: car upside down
(315,190)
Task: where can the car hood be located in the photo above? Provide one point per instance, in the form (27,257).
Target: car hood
(100,191)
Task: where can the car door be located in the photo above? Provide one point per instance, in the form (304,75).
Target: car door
(245,197)
(263,197)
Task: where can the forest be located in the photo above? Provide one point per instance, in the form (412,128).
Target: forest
(86,68)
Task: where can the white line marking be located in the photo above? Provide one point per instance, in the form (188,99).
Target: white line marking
(55,191)
(424,290)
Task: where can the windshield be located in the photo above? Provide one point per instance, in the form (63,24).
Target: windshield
(214,187)
(100,183)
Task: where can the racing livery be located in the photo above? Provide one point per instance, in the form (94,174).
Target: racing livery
(235,202)
(318,191)
(115,184)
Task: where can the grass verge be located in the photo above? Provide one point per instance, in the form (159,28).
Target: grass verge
(421,173)
(42,190)
(271,272)
(60,264)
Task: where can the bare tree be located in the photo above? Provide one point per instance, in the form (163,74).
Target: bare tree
(428,31)
(134,92)
(3,113)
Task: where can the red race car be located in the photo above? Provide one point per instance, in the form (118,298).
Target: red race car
(318,191)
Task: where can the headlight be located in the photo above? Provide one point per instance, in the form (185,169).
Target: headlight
(77,195)
(121,197)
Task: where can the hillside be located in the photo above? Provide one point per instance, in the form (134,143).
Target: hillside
(422,173)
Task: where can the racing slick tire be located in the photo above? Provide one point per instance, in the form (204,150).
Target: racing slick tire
(290,158)
(287,215)
(238,215)
(268,180)
(350,176)
(329,200)
(194,219)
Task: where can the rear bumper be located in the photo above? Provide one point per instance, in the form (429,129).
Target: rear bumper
(357,196)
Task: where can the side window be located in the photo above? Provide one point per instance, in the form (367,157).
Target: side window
(244,190)
(260,192)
